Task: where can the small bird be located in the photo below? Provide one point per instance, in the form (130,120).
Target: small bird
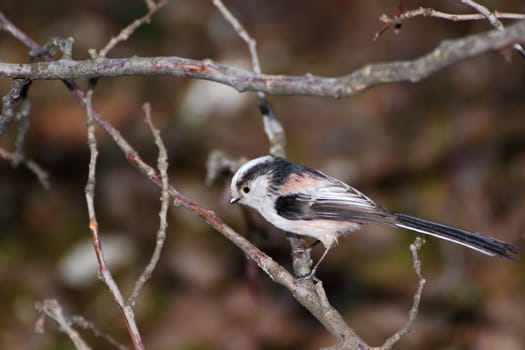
(304,201)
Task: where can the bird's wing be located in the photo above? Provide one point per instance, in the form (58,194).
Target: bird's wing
(332,200)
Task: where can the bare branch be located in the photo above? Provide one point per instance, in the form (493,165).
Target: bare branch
(18,92)
(239,29)
(311,295)
(305,291)
(272,126)
(162,166)
(412,314)
(18,95)
(31,165)
(132,27)
(455,17)
(52,309)
(493,19)
(430,12)
(278,273)
(219,164)
(104,272)
(85,324)
(496,23)
(64,46)
(151,4)
(41,174)
(23,126)
(8,26)
(445,54)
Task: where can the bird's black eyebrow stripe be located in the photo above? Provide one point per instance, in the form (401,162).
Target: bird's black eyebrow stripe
(280,169)
(259,169)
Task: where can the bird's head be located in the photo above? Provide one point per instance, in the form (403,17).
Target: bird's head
(252,181)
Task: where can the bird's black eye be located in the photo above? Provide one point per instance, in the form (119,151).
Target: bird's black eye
(245,189)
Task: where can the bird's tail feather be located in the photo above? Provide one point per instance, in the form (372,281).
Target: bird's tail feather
(473,240)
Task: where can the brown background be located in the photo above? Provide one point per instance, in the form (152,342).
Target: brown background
(449,148)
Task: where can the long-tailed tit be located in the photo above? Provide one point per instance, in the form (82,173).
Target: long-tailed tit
(301,200)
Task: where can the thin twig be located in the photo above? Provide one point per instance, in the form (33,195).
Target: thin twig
(63,45)
(412,314)
(17,92)
(430,12)
(8,26)
(455,17)
(162,166)
(85,101)
(493,19)
(239,29)
(52,309)
(125,306)
(18,95)
(304,291)
(22,117)
(104,272)
(496,23)
(272,126)
(151,4)
(275,271)
(306,296)
(85,324)
(132,27)
(41,174)
(219,164)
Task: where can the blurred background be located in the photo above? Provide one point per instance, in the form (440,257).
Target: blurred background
(450,148)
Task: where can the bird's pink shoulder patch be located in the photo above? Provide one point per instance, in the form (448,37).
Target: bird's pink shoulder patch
(297,182)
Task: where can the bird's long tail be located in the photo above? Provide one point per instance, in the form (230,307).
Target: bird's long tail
(473,240)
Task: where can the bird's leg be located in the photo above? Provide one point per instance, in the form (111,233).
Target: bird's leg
(301,251)
(311,275)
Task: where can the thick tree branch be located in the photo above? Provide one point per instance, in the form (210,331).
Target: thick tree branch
(445,54)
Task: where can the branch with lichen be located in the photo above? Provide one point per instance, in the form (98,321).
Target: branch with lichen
(444,55)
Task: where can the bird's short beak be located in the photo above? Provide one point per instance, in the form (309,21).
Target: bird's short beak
(234,200)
